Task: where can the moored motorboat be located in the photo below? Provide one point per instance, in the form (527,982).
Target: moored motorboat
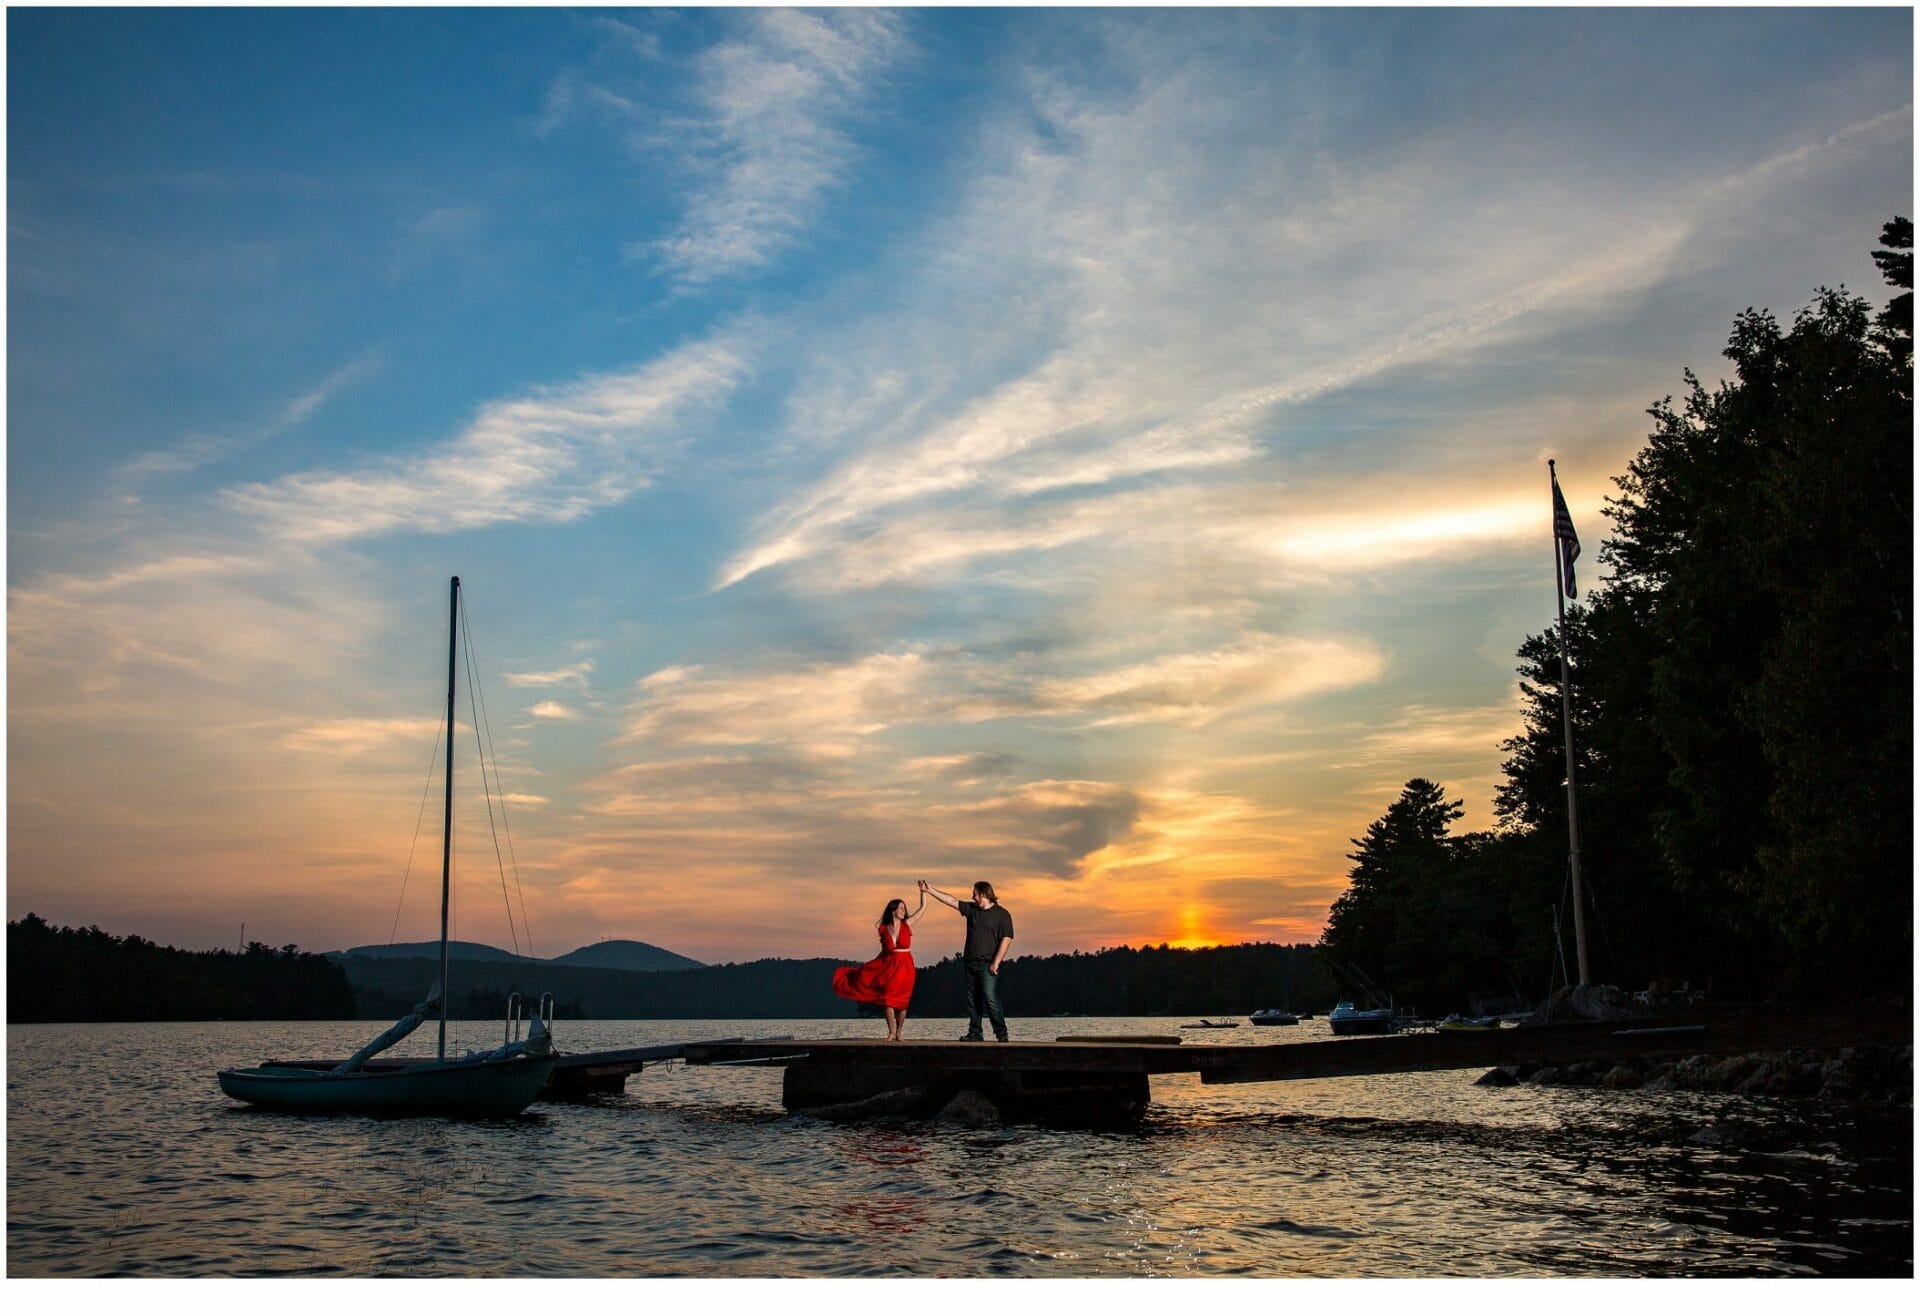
(1347,1020)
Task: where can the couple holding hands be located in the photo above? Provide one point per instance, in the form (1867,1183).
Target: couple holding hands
(888,980)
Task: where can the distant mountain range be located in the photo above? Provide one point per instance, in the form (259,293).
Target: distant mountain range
(631,956)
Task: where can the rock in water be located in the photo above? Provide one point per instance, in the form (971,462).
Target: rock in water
(1495,1077)
(969,1109)
(1730,1072)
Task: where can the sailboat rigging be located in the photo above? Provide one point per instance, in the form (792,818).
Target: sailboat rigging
(493,1084)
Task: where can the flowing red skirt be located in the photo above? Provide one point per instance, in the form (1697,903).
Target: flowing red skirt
(887,981)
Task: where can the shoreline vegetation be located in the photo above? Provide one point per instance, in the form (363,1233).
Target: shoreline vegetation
(85,975)
(68,975)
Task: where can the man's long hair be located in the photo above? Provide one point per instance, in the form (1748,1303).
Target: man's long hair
(986,888)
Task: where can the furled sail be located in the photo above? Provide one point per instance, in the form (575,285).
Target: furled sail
(427,1008)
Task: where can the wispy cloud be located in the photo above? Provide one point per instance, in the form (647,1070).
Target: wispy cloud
(167,633)
(828,708)
(575,675)
(822,708)
(1164,339)
(352,735)
(770,134)
(201,450)
(1194,689)
(435,234)
(553,455)
(1201,540)
(1894,126)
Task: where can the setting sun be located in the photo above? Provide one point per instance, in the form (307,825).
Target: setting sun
(1193,933)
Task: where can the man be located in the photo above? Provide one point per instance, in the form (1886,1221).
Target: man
(989,933)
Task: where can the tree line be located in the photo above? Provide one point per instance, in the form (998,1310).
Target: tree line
(1234,979)
(74,975)
(1742,709)
(85,975)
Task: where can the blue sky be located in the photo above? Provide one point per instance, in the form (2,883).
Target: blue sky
(1101,451)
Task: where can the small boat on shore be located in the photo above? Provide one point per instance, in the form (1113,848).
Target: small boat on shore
(1347,1020)
(1455,1023)
(1206,1022)
(1273,1018)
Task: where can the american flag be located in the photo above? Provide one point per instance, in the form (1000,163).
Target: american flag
(1563,535)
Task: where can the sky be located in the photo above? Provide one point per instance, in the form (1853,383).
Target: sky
(1101,452)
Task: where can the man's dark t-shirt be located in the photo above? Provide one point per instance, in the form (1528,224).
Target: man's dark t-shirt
(985,927)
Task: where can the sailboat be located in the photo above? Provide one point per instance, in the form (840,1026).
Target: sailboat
(497,1083)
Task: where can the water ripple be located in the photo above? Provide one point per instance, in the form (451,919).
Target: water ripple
(699,1173)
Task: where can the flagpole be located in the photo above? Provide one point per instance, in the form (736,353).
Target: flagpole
(1566,725)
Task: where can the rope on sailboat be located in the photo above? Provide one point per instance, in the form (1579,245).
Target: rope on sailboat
(427,786)
(485,750)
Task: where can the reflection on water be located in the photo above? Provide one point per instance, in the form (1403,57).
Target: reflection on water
(125,1159)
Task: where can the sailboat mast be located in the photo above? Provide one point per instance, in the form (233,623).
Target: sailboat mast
(446,837)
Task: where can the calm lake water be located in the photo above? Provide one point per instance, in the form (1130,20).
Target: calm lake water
(123,1158)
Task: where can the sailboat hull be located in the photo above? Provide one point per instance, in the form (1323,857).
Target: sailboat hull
(461,1089)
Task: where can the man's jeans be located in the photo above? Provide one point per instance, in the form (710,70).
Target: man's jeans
(983,995)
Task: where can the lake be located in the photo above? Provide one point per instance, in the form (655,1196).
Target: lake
(124,1158)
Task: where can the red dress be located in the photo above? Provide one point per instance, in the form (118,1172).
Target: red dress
(887,980)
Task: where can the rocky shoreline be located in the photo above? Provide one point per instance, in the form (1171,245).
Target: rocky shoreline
(1864,1075)
(1868,1075)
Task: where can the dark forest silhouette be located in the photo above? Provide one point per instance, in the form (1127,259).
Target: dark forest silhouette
(1232,979)
(60,974)
(85,975)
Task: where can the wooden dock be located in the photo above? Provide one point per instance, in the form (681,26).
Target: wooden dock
(1107,1081)
(1101,1081)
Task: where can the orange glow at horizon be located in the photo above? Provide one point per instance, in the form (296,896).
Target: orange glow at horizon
(1193,934)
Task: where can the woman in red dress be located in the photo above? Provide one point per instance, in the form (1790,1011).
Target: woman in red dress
(888,980)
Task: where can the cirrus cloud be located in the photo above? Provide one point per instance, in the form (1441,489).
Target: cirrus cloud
(553,455)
